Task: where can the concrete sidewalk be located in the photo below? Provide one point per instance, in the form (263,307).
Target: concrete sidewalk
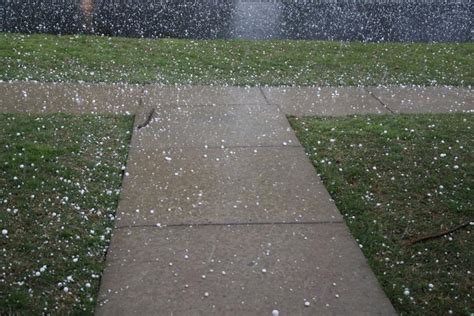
(36,97)
(221,212)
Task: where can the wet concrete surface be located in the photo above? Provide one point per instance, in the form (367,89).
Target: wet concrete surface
(38,97)
(239,270)
(232,185)
(76,98)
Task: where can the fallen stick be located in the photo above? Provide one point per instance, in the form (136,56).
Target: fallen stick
(148,119)
(441,234)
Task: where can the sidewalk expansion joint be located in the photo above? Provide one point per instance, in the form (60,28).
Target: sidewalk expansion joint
(219,147)
(202,105)
(335,222)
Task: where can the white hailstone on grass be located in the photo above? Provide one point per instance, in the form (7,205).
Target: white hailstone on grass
(66,289)
(275,312)
(206,294)
(406,292)
(307,303)
(168,158)
(4,232)
(264,270)
(88,285)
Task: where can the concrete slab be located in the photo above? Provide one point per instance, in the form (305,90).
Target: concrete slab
(219,270)
(215,126)
(231,185)
(182,95)
(425,99)
(327,101)
(74,98)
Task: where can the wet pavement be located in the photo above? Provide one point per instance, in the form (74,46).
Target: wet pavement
(221,212)
(239,270)
(77,98)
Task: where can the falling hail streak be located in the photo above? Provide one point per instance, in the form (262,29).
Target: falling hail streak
(87,7)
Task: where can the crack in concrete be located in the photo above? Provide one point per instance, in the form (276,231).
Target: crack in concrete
(379,100)
(268,101)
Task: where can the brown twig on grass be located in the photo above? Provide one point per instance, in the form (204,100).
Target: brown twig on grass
(437,235)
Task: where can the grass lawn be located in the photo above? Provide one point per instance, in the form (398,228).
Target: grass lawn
(60,179)
(397,178)
(237,62)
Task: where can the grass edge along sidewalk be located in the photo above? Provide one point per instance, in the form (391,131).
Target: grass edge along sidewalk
(60,179)
(237,62)
(396,179)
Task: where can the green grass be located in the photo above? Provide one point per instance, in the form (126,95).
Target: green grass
(60,179)
(395,178)
(236,62)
